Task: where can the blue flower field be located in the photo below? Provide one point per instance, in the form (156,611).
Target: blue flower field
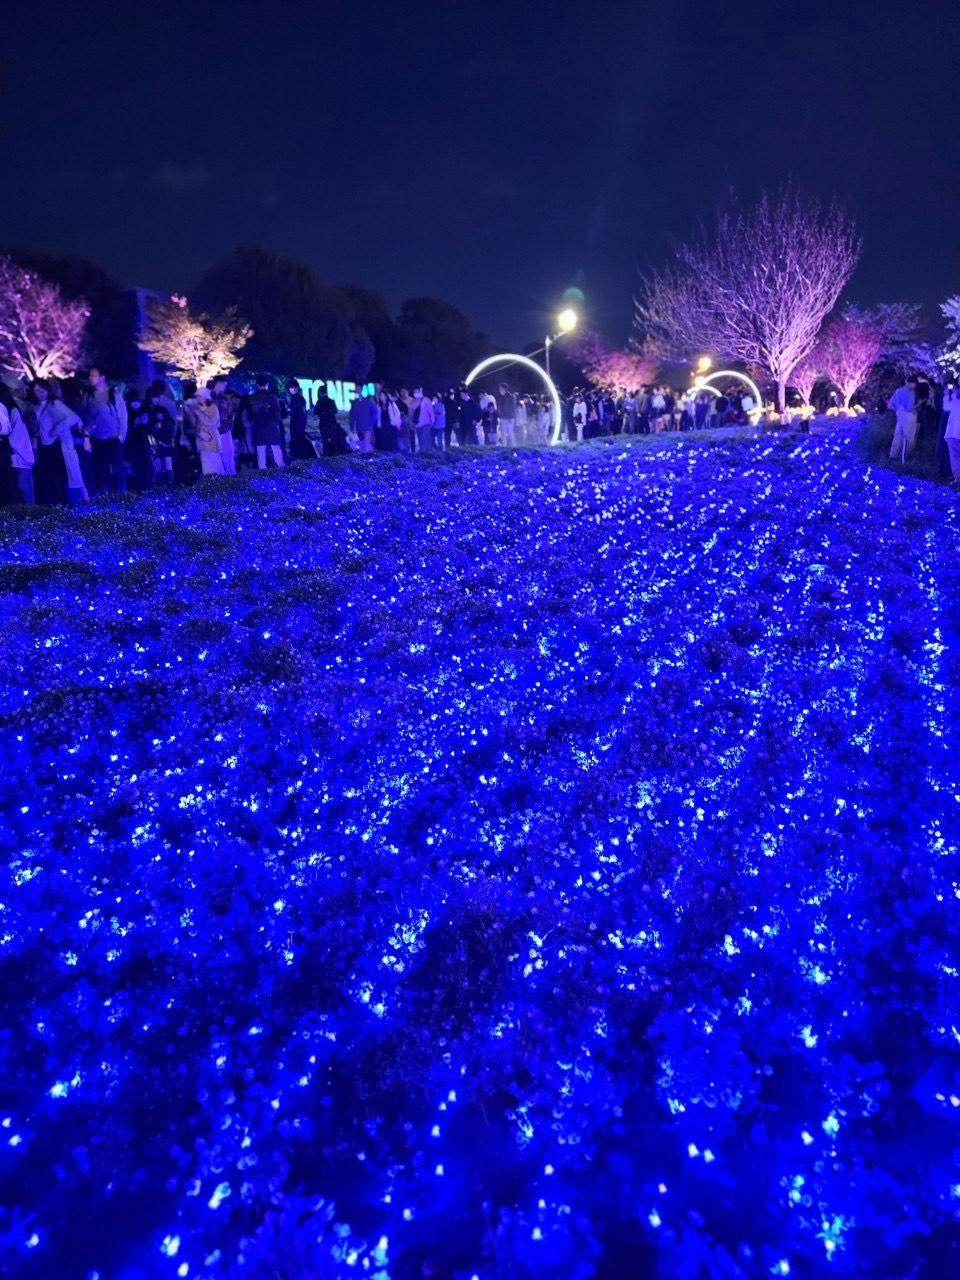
(535,864)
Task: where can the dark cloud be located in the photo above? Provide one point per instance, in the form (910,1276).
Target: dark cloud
(178,178)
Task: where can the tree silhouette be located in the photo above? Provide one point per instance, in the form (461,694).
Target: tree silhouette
(757,287)
(302,327)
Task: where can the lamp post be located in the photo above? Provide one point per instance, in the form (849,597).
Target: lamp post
(566,323)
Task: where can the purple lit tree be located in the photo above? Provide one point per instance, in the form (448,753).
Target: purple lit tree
(805,376)
(632,368)
(41,332)
(849,347)
(757,286)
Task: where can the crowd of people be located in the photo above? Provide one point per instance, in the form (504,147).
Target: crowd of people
(922,405)
(61,445)
(61,449)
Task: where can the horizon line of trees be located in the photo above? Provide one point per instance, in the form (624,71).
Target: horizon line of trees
(253,309)
(759,288)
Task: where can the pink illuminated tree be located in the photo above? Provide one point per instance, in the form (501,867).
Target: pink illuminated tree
(192,344)
(757,286)
(631,369)
(41,332)
(849,347)
(805,376)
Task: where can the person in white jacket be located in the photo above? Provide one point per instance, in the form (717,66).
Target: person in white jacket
(206,420)
(579,414)
(904,403)
(951,434)
(13,427)
(58,466)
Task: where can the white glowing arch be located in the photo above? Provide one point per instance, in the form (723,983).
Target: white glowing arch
(527,364)
(704,383)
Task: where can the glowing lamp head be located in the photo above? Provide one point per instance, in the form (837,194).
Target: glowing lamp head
(703,364)
(567,320)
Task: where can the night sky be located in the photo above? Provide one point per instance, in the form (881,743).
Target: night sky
(489,154)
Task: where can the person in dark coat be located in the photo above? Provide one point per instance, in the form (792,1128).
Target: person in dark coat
(331,432)
(137,451)
(265,417)
(300,446)
(162,434)
(469,414)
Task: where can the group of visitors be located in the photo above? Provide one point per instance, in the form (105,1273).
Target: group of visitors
(920,405)
(57,449)
(414,421)
(61,449)
(63,444)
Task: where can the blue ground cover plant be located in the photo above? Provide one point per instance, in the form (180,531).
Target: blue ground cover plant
(533,864)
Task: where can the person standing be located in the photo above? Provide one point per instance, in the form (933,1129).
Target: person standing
(469,415)
(368,417)
(507,409)
(608,415)
(945,396)
(521,427)
(404,438)
(106,421)
(137,450)
(300,446)
(452,405)
(14,431)
(206,419)
(951,432)
(439,428)
(58,467)
(903,402)
(545,421)
(331,433)
(579,416)
(421,419)
(630,413)
(491,418)
(161,432)
(592,428)
(265,417)
(225,410)
(701,410)
(388,435)
(644,409)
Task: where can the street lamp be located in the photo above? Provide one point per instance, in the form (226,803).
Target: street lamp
(567,321)
(703,364)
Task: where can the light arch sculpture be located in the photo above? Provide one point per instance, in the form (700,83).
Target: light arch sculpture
(492,361)
(705,382)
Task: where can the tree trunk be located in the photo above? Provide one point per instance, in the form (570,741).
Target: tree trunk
(782,395)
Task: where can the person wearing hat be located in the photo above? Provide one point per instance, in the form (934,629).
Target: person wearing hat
(207,421)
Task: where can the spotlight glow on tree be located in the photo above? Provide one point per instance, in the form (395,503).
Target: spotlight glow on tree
(805,376)
(193,344)
(757,287)
(849,347)
(41,332)
(631,369)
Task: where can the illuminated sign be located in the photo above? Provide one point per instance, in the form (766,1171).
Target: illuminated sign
(341,393)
